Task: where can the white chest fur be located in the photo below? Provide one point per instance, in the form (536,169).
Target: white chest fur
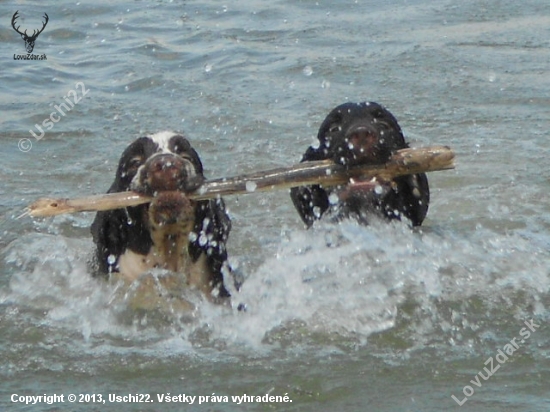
(170,252)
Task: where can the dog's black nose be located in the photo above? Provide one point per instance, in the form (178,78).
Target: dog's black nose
(361,139)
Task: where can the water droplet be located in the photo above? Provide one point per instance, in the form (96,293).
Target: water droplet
(378,189)
(251,186)
(111,259)
(333,199)
(308,70)
(207,68)
(317,211)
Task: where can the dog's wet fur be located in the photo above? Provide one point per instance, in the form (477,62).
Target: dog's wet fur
(173,232)
(362,133)
(188,237)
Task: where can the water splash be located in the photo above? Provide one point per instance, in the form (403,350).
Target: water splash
(345,282)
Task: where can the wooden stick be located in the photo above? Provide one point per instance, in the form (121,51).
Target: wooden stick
(324,172)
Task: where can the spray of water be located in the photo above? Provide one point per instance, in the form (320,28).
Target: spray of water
(345,283)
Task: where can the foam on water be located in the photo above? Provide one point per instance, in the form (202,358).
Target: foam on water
(344,283)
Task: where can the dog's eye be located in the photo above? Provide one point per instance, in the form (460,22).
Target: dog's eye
(135,162)
(335,128)
(179,149)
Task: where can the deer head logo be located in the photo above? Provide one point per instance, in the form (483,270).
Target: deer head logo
(29,40)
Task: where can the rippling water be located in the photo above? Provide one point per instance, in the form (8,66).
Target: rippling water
(339,317)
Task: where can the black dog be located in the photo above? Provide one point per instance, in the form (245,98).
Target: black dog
(363,133)
(172,232)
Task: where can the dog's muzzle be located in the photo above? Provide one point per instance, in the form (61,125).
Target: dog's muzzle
(166,172)
(364,144)
(168,177)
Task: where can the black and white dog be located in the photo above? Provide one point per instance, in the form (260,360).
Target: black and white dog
(362,133)
(173,232)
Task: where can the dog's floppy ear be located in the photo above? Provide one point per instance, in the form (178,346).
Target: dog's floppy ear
(196,161)
(415,197)
(310,202)
(110,235)
(115,231)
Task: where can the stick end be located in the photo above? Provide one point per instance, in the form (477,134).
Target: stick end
(45,207)
(26,212)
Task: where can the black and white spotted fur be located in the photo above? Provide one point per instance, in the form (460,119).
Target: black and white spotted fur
(172,232)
